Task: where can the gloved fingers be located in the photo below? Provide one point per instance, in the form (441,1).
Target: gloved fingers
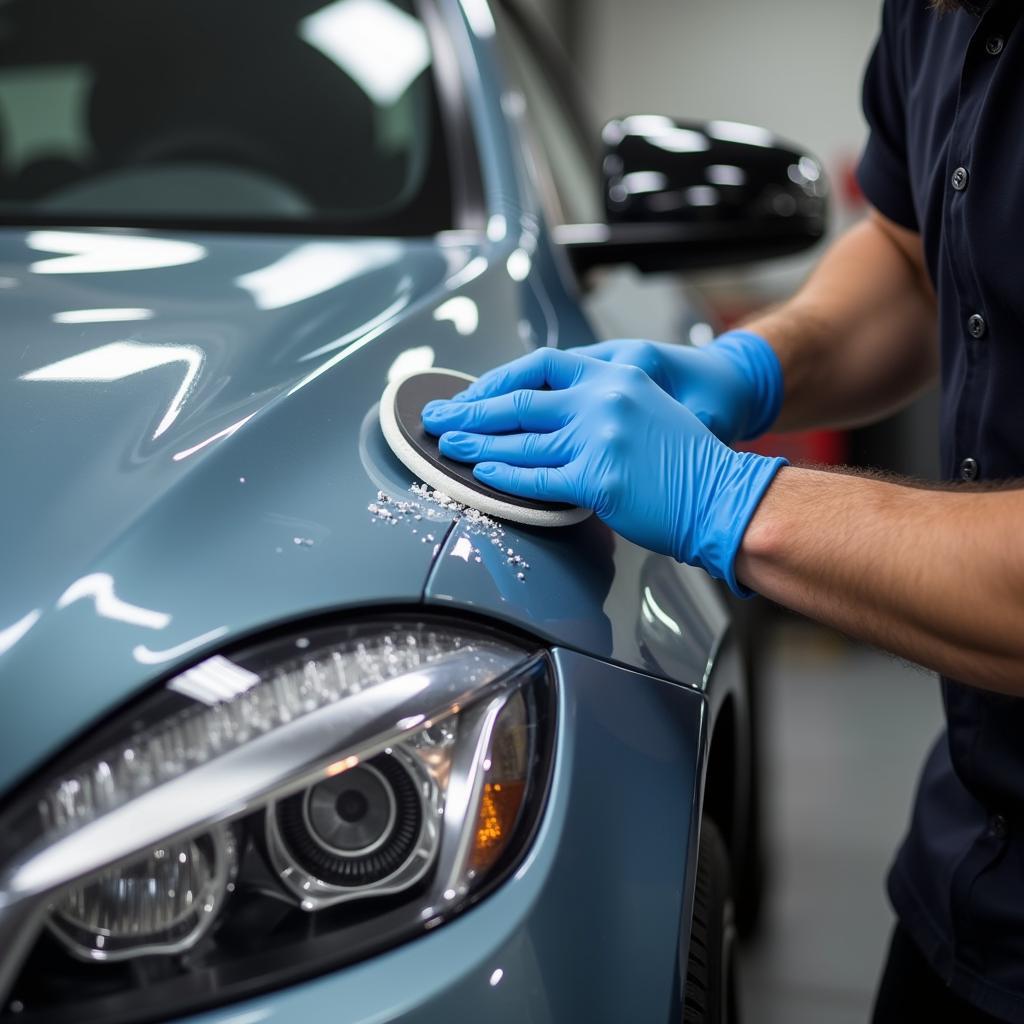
(549,367)
(532,450)
(644,355)
(541,484)
(534,411)
(603,350)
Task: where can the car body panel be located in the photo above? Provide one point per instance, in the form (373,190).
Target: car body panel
(588,588)
(227,465)
(588,928)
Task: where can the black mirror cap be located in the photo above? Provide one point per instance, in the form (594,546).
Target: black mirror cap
(686,194)
(659,170)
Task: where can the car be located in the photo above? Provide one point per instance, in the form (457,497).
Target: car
(284,734)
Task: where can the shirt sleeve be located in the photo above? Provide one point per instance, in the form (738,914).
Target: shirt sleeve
(883,173)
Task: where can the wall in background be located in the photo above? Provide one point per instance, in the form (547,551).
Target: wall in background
(794,66)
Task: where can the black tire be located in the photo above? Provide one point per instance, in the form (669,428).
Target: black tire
(751,865)
(710,994)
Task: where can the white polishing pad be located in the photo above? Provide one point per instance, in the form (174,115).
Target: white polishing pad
(400,409)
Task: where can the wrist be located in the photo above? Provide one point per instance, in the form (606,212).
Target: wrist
(763,533)
(732,503)
(756,360)
(797,506)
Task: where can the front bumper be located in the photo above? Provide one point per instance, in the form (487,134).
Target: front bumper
(589,927)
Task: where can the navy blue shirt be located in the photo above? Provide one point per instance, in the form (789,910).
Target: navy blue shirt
(944,99)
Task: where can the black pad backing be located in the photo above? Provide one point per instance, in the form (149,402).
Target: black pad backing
(414,393)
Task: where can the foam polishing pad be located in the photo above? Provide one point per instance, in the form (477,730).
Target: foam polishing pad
(401,407)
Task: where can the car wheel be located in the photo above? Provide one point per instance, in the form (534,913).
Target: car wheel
(711,991)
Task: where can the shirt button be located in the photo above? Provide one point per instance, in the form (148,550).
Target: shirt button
(959,179)
(968,470)
(998,826)
(994,46)
(976,326)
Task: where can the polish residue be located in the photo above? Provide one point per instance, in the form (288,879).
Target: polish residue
(431,506)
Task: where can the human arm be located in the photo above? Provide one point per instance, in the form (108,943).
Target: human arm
(855,343)
(935,576)
(860,338)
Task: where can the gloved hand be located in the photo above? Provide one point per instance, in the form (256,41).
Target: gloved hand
(606,437)
(733,386)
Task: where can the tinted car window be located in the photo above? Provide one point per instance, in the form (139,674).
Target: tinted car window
(221,110)
(573,168)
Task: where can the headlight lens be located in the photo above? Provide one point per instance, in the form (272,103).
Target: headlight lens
(163,902)
(318,796)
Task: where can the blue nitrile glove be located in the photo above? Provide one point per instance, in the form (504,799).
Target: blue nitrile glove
(733,386)
(606,437)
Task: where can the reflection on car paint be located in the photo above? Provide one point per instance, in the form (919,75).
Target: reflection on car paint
(99,587)
(220,435)
(411,360)
(469,272)
(313,268)
(462,311)
(14,632)
(101,316)
(121,359)
(146,656)
(380,320)
(95,252)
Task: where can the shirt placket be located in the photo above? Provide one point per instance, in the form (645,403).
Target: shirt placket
(972,320)
(973,330)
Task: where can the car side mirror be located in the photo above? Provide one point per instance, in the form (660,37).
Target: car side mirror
(682,195)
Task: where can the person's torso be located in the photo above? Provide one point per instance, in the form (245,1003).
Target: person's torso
(964,103)
(963,90)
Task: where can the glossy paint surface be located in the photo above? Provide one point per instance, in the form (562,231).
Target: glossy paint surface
(588,588)
(181,479)
(588,928)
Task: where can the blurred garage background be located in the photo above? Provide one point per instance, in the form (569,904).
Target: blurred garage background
(845,728)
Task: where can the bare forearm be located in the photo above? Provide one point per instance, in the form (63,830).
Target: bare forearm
(934,576)
(859,339)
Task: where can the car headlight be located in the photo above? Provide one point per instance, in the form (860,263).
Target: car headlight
(271,813)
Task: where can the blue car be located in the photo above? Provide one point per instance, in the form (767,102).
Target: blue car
(285,735)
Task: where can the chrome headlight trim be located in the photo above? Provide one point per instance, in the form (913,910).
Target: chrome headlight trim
(315,894)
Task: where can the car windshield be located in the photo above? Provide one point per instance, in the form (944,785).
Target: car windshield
(226,113)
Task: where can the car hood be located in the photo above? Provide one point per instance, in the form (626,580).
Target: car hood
(188,448)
